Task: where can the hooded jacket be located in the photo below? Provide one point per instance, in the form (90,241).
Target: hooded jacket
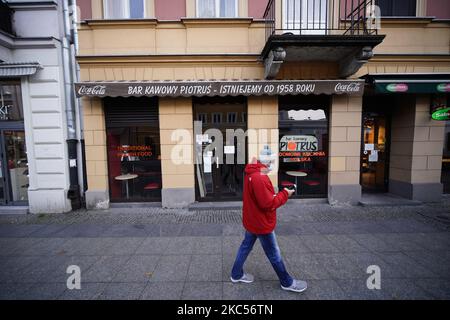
(260,200)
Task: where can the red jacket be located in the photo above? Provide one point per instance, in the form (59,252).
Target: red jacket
(260,201)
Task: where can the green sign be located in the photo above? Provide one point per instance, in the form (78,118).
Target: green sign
(443,87)
(397,87)
(441,114)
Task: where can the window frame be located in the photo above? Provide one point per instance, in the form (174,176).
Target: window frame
(418,7)
(205,117)
(217,10)
(233,113)
(105,10)
(214,114)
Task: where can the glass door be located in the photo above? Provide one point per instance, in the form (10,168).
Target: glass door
(220,173)
(374,154)
(14,181)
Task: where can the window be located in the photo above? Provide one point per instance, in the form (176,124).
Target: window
(397,8)
(217,8)
(305,16)
(244,117)
(216,118)
(124,9)
(203,117)
(133,146)
(10,102)
(231,117)
(303,148)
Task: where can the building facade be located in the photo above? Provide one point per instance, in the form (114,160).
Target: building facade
(37,115)
(341,90)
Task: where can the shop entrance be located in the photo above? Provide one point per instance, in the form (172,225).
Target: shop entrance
(219,173)
(375,148)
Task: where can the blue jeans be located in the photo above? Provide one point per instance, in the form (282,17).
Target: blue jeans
(272,251)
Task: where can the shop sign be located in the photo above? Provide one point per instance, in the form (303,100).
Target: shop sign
(132,153)
(299,143)
(441,114)
(218,88)
(397,87)
(443,87)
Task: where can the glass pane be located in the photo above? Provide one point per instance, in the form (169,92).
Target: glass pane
(303,132)
(136,9)
(10,102)
(16,158)
(134,163)
(206,8)
(116,9)
(228,9)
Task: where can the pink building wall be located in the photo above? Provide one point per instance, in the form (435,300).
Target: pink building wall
(170,9)
(438,8)
(85,9)
(256,8)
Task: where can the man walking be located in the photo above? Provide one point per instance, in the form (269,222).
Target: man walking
(259,220)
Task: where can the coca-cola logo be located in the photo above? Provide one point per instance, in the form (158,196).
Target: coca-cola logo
(348,87)
(97,90)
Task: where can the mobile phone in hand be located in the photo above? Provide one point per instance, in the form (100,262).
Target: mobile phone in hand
(293,187)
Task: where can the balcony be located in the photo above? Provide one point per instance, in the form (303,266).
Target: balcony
(343,32)
(5,17)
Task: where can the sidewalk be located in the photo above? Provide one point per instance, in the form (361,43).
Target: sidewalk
(151,253)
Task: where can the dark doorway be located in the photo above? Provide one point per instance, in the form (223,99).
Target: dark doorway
(219,173)
(376,120)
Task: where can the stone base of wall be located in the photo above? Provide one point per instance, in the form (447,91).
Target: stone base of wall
(48,201)
(425,192)
(97,199)
(177,197)
(344,194)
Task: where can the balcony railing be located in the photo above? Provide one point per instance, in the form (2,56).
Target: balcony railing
(320,17)
(5,17)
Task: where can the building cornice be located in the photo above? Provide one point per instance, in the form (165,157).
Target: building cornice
(183,59)
(410,58)
(12,42)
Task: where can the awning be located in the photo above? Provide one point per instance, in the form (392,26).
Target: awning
(218,88)
(410,83)
(18,69)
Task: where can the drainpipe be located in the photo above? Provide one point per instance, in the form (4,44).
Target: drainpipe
(72,139)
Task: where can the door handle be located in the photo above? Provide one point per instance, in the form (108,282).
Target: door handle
(217,162)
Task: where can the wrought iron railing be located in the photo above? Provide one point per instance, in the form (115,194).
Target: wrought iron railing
(5,17)
(320,17)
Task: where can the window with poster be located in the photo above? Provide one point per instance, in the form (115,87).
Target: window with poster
(303,149)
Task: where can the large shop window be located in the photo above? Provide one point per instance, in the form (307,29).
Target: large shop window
(217,8)
(134,153)
(124,9)
(303,157)
(13,155)
(445,173)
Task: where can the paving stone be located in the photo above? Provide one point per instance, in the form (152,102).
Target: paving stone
(438,288)
(356,289)
(207,245)
(403,289)
(365,259)
(81,230)
(88,291)
(172,268)
(344,243)
(59,273)
(272,291)
(408,266)
(202,291)
(44,247)
(163,291)
(338,266)
(125,230)
(153,245)
(123,246)
(292,244)
(18,231)
(137,269)
(85,246)
(13,291)
(318,243)
(49,230)
(205,268)
(432,260)
(180,245)
(306,266)
(105,269)
(44,291)
(243,291)
(201,230)
(401,241)
(233,230)
(371,242)
(123,291)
